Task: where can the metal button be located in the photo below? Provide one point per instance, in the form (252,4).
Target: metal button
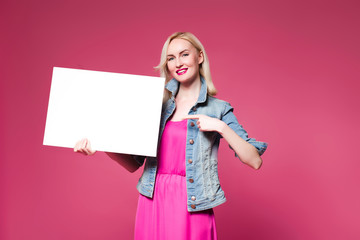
(193,198)
(192,124)
(191,141)
(193,206)
(190,161)
(191,180)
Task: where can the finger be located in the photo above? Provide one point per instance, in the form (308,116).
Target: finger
(86,151)
(92,152)
(84,143)
(79,150)
(89,152)
(195,116)
(89,149)
(77,146)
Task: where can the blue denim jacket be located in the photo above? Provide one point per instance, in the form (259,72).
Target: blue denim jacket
(202,181)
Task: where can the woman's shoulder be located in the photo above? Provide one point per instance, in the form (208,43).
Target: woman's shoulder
(216,107)
(217,101)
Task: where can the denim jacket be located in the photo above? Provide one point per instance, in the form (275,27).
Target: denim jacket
(202,181)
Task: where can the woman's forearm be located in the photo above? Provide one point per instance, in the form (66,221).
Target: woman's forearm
(246,152)
(125,160)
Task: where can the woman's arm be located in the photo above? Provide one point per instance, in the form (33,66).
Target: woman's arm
(125,160)
(245,151)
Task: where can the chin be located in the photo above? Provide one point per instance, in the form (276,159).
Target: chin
(185,78)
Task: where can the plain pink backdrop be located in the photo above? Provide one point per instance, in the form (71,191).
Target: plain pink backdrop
(289,68)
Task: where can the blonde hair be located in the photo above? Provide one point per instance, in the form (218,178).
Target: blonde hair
(204,67)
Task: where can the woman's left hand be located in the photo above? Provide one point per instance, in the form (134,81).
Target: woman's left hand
(206,123)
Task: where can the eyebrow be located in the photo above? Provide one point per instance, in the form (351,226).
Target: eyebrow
(180,52)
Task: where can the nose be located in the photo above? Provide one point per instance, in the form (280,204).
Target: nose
(178,63)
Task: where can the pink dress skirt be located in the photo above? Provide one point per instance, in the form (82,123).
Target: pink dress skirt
(165,216)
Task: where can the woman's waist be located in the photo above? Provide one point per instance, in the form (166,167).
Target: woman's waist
(172,172)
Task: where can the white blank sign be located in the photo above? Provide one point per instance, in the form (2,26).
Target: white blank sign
(116,112)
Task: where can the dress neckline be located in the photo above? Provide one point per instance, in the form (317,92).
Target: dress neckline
(177,121)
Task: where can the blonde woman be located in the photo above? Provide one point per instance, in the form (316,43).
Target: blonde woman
(179,188)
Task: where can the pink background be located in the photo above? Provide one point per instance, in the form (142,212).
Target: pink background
(289,68)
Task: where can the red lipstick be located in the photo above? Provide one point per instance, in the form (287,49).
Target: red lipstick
(181,71)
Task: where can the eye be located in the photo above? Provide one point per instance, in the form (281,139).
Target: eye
(185,54)
(170,59)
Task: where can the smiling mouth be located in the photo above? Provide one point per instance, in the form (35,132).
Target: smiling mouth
(181,71)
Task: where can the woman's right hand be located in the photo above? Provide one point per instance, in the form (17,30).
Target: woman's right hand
(83,146)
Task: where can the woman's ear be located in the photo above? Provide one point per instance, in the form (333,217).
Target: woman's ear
(201,57)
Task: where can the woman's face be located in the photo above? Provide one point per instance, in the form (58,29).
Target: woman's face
(183,61)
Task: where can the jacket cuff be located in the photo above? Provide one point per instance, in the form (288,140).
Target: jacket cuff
(260,146)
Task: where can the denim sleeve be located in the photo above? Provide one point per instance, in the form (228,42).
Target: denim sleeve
(230,119)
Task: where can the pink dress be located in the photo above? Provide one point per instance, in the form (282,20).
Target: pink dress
(165,216)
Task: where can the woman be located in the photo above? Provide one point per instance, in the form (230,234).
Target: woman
(179,188)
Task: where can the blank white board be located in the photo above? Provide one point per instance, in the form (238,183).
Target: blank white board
(116,112)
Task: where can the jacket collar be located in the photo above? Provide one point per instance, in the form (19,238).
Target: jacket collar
(173,87)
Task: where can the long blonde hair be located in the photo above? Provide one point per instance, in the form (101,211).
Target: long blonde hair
(204,67)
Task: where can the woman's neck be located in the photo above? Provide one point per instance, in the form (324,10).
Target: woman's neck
(186,98)
(189,90)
